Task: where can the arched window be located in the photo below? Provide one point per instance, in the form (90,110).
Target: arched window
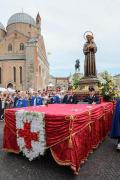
(21,47)
(20,75)
(14,74)
(0,75)
(9,47)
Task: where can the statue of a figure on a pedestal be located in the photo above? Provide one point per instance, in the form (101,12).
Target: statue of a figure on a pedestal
(89,50)
(77,66)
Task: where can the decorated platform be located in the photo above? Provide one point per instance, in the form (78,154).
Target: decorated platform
(71,132)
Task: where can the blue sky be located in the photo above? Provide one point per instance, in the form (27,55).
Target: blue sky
(63,25)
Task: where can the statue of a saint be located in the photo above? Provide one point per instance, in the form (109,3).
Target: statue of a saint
(89,50)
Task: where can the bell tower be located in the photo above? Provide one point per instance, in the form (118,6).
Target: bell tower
(38,23)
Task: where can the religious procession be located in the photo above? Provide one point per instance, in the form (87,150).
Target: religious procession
(59,110)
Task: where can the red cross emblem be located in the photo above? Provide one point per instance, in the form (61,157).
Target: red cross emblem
(27,135)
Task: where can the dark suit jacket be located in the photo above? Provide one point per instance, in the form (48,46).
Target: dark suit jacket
(0,104)
(92,99)
(70,99)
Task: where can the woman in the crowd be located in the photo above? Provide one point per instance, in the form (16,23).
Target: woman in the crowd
(9,102)
(39,93)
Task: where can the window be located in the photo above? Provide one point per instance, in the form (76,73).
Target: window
(20,75)
(9,47)
(0,75)
(14,74)
(21,47)
(29,34)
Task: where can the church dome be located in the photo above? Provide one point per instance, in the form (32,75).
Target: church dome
(21,18)
(2,27)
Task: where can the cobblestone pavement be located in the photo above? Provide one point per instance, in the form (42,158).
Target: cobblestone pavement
(103,164)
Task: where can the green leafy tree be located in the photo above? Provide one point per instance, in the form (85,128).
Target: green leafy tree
(76,82)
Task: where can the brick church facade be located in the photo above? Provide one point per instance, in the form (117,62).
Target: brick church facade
(23,60)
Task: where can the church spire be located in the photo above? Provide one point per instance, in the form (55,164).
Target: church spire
(38,23)
(38,18)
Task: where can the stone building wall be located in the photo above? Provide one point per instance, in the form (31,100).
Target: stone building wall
(26,29)
(32,59)
(7,73)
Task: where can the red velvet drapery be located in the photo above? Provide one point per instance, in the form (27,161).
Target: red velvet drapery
(72,131)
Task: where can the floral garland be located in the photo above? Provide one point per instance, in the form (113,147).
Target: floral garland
(31,133)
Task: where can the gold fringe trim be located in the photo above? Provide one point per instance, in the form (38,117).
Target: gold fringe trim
(64,163)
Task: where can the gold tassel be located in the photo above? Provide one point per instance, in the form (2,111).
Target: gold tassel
(70,145)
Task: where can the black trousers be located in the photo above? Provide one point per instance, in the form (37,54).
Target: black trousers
(1,114)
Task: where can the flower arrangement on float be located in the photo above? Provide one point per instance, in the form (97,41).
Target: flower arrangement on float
(30,128)
(108,88)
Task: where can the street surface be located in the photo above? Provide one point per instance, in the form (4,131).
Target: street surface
(103,164)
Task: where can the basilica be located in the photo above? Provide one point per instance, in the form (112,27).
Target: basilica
(23,60)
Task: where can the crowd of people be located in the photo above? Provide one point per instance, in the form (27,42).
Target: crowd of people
(20,99)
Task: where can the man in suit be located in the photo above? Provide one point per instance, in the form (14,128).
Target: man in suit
(92,98)
(70,98)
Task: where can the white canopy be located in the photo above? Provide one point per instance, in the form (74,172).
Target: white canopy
(11,90)
(2,89)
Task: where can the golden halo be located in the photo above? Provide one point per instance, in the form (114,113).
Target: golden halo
(88,33)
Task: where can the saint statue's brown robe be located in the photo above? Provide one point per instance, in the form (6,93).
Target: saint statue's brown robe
(90,64)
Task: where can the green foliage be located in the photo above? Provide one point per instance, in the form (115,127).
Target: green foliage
(76,82)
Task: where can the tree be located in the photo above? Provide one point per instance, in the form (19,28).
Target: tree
(76,82)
